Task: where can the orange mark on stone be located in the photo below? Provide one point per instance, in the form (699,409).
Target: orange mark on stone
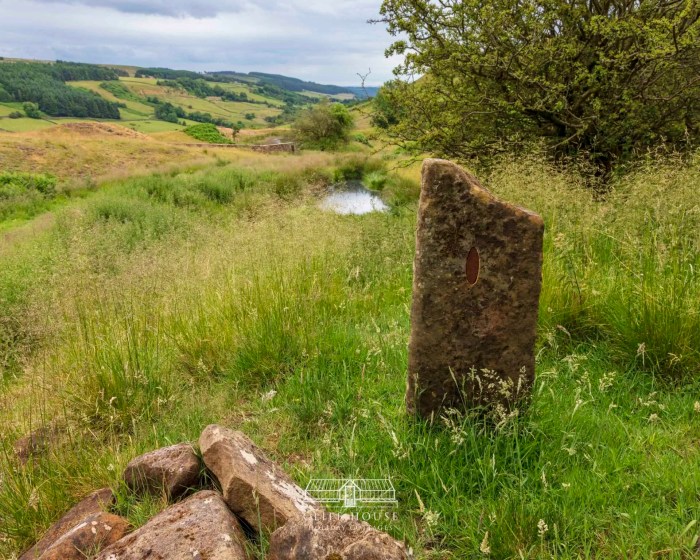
(473,266)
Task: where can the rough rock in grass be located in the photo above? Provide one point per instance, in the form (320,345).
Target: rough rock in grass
(95,503)
(199,528)
(254,487)
(476,288)
(171,469)
(329,536)
(35,444)
(88,537)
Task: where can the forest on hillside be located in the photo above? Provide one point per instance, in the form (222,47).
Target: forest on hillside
(45,85)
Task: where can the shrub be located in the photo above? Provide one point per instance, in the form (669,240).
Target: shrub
(324,126)
(356,168)
(16,115)
(169,113)
(207,133)
(23,195)
(31,110)
(26,182)
(376,180)
(362,139)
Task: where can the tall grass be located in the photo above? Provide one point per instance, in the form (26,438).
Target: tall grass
(625,268)
(225,295)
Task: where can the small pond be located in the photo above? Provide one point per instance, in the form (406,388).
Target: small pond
(352,197)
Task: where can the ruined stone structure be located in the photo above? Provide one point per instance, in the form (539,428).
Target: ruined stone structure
(282,147)
(477,279)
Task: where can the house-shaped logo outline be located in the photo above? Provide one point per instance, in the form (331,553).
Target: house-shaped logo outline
(353,492)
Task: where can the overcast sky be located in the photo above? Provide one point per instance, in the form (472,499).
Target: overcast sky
(327,41)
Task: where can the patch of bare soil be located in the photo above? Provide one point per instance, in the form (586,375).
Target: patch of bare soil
(96,128)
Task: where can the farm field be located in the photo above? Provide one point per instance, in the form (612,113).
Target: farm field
(24,124)
(134,107)
(225,109)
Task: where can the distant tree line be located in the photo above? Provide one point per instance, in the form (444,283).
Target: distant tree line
(166,74)
(119,72)
(295,84)
(44,84)
(77,71)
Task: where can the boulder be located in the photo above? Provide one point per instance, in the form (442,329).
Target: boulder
(35,443)
(94,503)
(255,488)
(199,528)
(88,537)
(171,470)
(476,287)
(329,536)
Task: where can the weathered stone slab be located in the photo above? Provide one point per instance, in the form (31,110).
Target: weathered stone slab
(329,536)
(255,488)
(199,528)
(171,470)
(476,288)
(94,503)
(88,537)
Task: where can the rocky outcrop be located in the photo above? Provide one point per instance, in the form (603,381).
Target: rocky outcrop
(95,503)
(329,536)
(171,470)
(204,526)
(88,537)
(199,528)
(254,487)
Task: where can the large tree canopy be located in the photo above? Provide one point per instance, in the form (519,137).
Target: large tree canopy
(600,77)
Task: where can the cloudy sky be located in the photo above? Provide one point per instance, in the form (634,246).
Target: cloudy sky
(327,41)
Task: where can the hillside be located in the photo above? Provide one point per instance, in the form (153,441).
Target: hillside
(150,100)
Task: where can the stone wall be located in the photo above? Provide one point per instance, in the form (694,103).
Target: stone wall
(285,147)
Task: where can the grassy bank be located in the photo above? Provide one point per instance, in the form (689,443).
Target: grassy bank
(163,303)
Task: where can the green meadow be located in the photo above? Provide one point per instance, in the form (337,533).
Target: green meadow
(137,314)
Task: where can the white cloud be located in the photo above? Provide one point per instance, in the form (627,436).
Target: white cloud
(321,40)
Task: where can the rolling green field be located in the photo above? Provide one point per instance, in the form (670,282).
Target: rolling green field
(134,108)
(138,112)
(130,324)
(241,88)
(24,124)
(7,108)
(234,111)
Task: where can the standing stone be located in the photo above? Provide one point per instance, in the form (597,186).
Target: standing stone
(255,488)
(476,288)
